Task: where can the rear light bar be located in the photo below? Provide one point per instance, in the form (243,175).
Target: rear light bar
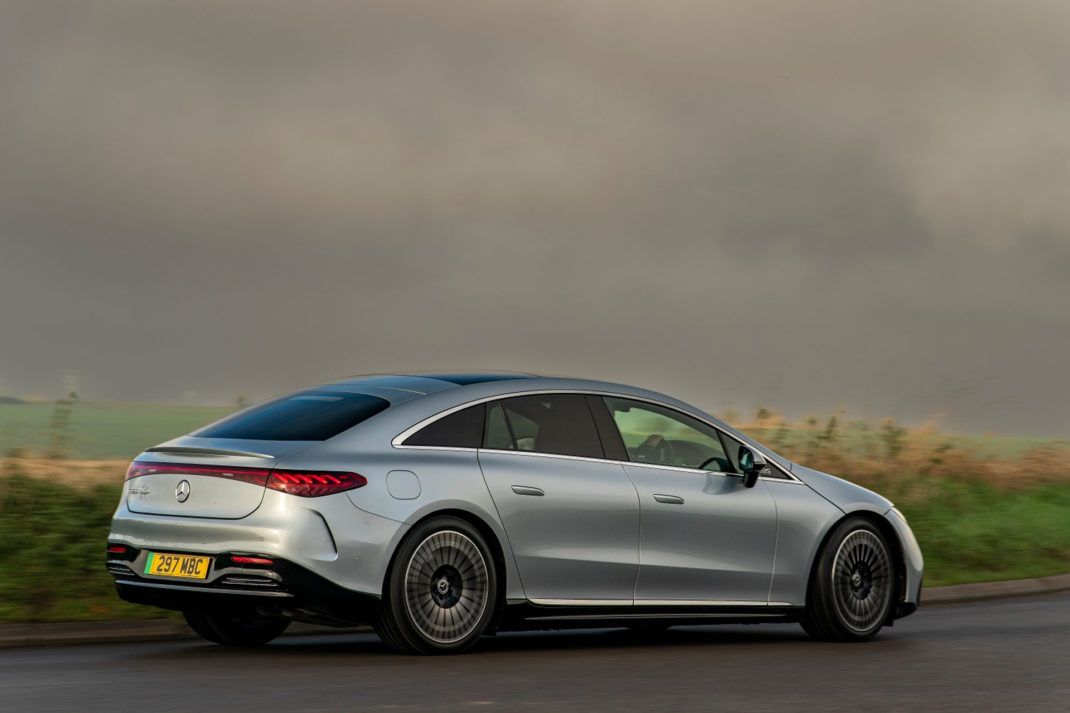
(311,484)
(304,483)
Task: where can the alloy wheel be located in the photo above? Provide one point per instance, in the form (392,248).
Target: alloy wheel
(446,586)
(862,580)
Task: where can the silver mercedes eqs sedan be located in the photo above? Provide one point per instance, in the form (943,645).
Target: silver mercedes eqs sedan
(442,507)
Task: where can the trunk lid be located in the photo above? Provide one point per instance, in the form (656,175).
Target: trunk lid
(205,477)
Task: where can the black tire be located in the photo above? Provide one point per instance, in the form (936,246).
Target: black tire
(811,630)
(231,629)
(441,591)
(852,586)
(197,621)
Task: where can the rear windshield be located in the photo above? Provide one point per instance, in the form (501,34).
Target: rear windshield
(310,416)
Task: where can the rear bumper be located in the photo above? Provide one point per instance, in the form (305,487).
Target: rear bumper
(281,589)
(325,536)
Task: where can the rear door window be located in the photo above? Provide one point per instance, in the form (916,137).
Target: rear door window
(308,416)
(561,424)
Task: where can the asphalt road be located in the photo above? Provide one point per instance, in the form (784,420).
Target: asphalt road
(1012,655)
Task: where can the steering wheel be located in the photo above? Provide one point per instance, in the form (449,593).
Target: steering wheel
(655,449)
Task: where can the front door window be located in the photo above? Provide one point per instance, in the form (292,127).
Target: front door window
(659,436)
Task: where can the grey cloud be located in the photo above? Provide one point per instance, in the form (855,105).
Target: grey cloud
(801,205)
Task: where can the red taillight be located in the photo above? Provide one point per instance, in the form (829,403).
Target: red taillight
(250,560)
(116,549)
(314,483)
(305,483)
(257,476)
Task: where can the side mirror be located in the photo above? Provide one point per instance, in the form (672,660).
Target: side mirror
(752,464)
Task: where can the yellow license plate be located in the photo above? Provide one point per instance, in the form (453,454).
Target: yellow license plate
(186,566)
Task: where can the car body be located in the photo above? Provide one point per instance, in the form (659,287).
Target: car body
(440,507)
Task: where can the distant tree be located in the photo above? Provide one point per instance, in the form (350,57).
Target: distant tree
(59,431)
(828,437)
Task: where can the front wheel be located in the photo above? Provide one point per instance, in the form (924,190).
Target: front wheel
(232,629)
(441,591)
(852,585)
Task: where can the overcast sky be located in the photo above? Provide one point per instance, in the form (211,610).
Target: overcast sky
(807,206)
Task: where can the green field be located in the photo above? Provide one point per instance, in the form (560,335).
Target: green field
(93,431)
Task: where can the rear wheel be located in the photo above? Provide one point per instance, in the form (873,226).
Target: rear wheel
(441,590)
(852,586)
(231,629)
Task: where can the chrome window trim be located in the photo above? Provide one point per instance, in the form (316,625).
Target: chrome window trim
(696,471)
(441,448)
(682,468)
(788,481)
(546,455)
(398,440)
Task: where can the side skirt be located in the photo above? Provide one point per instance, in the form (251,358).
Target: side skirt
(526,615)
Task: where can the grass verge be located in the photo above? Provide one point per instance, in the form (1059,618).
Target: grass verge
(52,552)
(975,532)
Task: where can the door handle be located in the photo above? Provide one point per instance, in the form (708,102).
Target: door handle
(528,490)
(669,499)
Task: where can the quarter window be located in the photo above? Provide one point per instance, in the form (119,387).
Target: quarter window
(462,429)
(658,435)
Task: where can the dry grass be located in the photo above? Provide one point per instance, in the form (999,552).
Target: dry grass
(69,472)
(893,457)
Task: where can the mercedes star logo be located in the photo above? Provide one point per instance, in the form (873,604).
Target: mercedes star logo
(182,491)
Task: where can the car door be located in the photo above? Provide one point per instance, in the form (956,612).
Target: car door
(571,516)
(704,536)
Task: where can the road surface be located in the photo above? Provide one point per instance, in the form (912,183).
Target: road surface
(1012,655)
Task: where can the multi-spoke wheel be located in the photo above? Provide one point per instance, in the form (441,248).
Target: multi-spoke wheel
(853,584)
(441,592)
